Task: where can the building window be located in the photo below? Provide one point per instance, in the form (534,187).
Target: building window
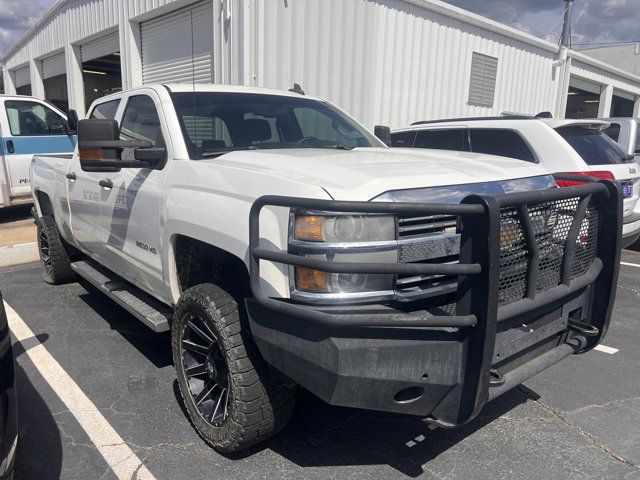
(482,85)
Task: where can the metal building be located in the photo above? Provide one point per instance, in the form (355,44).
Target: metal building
(384,61)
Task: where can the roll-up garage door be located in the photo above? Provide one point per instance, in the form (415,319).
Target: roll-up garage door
(178,47)
(585,85)
(101,47)
(53,66)
(22,77)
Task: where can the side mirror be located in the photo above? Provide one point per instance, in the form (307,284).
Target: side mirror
(383,133)
(100,147)
(72,121)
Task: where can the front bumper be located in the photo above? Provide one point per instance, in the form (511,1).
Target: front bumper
(425,361)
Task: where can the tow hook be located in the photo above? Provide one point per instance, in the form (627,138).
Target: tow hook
(496,379)
(584,328)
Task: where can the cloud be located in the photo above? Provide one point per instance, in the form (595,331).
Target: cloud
(16,16)
(593,20)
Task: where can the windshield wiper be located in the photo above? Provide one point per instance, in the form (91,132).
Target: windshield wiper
(222,151)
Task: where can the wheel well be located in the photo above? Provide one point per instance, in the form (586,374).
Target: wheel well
(44,202)
(198,262)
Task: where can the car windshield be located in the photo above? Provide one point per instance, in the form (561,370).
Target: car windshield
(593,146)
(217,123)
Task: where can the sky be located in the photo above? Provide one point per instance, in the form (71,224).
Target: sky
(593,20)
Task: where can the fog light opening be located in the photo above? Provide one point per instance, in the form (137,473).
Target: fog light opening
(408,395)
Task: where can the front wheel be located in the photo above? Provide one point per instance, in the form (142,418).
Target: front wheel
(229,394)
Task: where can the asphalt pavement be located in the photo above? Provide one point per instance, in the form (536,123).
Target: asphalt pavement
(578,419)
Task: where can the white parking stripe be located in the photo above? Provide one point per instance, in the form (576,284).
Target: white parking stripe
(605,349)
(122,460)
(630,264)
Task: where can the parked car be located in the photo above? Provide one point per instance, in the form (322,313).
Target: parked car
(9,459)
(28,126)
(577,147)
(283,244)
(626,133)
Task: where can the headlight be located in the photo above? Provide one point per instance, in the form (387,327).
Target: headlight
(343,238)
(344,228)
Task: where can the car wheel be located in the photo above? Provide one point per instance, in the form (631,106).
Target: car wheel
(228,391)
(55,258)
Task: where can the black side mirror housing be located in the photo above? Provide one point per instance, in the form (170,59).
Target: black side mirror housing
(100,148)
(383,133)
(72,122)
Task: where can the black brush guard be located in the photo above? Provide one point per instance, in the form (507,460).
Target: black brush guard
(372,356)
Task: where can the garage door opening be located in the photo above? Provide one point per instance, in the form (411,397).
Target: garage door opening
(582,103)
(55,91)
(22,80)
(621,107)
(101,71)
(101,77)
(54,76)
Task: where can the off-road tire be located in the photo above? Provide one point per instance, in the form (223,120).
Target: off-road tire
(53,254)
(258,407)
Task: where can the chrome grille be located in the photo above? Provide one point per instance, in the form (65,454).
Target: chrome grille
(550,221)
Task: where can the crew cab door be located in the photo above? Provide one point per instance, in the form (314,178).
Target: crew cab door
(130,209)
(30,127)
(85,193)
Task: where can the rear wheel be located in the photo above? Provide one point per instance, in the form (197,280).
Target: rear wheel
(229,394)
(53,254)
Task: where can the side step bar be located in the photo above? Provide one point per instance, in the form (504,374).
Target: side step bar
(151,312)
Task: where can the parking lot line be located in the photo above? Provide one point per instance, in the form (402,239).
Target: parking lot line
(605,349)
(119,456)
(630,264)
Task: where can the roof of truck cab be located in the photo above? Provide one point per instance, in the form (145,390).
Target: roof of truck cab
(565,122)
(503,122)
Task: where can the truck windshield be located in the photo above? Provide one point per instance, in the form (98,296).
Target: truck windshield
(593,146)
(216,123)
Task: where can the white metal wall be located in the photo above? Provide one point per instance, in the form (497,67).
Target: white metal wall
(389,61)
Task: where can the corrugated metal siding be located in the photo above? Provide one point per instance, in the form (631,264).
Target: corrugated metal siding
(100,47)
(388,61)
(594,74)
(22,76)
(78,20)
(178,47)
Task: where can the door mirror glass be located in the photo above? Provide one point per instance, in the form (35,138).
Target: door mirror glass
(383,133)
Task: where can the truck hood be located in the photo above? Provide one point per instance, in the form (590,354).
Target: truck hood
(364,173)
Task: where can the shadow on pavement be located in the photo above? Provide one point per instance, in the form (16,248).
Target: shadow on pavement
(322,435)
(156,347)
(39,435)
(11,214)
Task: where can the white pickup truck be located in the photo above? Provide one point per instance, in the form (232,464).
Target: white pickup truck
(28,126)
(283,245)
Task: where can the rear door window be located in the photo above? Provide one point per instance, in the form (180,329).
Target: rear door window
(593,146)
(403,139)
(443,139)
(506,143)
(106,110)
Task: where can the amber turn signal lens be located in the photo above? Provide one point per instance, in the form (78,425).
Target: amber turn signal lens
(309,280)
(309,228)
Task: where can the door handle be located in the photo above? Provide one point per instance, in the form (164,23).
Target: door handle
(106,183)
(10,146)
(71,176)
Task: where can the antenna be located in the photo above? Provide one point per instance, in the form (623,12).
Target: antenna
(193,80)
